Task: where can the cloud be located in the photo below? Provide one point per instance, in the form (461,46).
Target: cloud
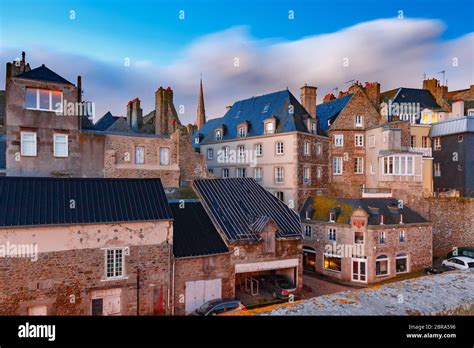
(235,65)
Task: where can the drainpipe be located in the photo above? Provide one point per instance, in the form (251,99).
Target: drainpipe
(138,291)
(169,268)
(172,288)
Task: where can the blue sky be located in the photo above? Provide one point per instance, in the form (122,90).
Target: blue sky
(151,34)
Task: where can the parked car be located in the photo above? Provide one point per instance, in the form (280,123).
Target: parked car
(219,306)
(462,251)
(459,262)
(438,270)
(277,285)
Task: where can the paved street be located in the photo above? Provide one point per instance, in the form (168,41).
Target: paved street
(314,286)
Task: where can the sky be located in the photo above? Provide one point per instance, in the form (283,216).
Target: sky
(127,49)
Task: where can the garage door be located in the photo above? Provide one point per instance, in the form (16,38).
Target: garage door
(201,291)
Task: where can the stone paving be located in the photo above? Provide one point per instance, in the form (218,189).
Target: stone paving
(428,295)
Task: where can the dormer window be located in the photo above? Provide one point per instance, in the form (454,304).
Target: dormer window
(218,134)
(269,127)
(196,140)
(311,126)
(308,215)
(329,122)
(242,132)
(332,217)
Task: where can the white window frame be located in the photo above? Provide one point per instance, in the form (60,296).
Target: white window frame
(164,162)
(34,141)
(332,234)
(382,237)
(218,134)
(398,257)
(65,143)
(308,231)
(224,171)
(337,163)
(306,175)
(269,127)
(210,154)
(259,150)
(359,140)
(399,162)
(279,148)
(318,148)
(226,150)
(307,148)
(318,173)
(259,170)
(242,131)
(241,172)
(437,170)
(437,144)
(339,140)
(358,161)
(114,251)
(359,121)
(241,151)
(279,175)
(50,97)
(385,259)
(402,236)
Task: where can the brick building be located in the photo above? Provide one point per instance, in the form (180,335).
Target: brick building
(364,241)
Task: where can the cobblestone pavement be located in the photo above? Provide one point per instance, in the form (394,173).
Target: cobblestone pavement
(315,286)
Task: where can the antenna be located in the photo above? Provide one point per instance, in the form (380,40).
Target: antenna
(444,76)
(350,81)
(336,89)
(424,76)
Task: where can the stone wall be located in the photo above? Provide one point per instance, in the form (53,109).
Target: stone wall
(202,268)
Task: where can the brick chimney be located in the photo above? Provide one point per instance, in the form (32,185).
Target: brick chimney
(17,67)
(166,118)
(308,99)
(372,90)
(439,92)
(134,114)
(328,97)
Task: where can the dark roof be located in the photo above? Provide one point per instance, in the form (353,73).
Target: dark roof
(255,110)
(3,149)
(106,121)
(330,111)
(458,125)
(86,123)
(38,201)
(412,95)
(193,231)
(321,206)
(235,204)
(43,73)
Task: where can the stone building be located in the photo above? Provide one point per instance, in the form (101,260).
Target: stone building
(272,138)
(364,241)
(74,246)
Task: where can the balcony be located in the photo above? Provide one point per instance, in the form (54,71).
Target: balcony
(376,193)
(424,151)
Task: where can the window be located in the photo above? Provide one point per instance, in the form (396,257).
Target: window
(318,148)
(332,263)
(359,140)
(401,236)
(401,263)
(139,155)
(210,154)
(218,134)
(241,172)
(372,141)
(60,145)
(196,140)
(210,171)
(306,175)
(318,173)
(313,127)
(339,140)
(413,141)
(308,231)
(279,175)
(381,265)
(164,156)
(258,174)
(331,234)
(398,165)
(358,165)
(269,128)
(424,142)
(437,169)
(437,144)
(279,148)
(460,138)
(332,217)
(358,237)
(265,108)
(337,165)
(259,150)
(382,237)
(242,132)
(225,173)
(358,121)
(241,151)
(28,144)
(279,195)
(114,263)
(43,99)
(225,152)
(308,215)
(307,147)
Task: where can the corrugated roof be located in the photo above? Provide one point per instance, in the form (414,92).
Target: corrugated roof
(26,201)
(255,110)
(321,206)
(330,111)
(457,125)
(193,231)
(236,203)
(43,73)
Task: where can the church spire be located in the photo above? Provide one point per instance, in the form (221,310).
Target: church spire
(201,112)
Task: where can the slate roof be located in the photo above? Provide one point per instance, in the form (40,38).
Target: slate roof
(235,204)
(3,149)
(106,121)
(255,110)
(330,111)
(36,201)
(411,95)
(456,125)
(193,231)
(43,73)
(320,207)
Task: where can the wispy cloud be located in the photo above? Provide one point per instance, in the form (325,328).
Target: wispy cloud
(235,65)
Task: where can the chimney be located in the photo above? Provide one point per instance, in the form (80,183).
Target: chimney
(79,89)
(439,92)
(372,90)
(16,67)
(328,97)
(136,117)
(201,111)
(308,99)
(161,112)
(354,87)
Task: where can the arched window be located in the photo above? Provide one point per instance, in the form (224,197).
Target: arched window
(381,265)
